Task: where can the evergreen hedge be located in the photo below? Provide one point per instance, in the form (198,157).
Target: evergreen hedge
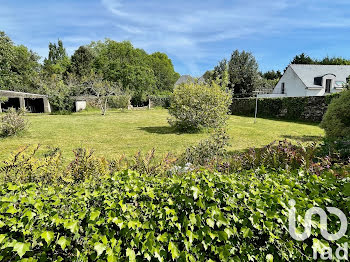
(290,108)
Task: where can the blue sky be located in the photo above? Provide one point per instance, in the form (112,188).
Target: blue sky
(195,34)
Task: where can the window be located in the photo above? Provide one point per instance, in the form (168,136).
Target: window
(283,88)
(318,81)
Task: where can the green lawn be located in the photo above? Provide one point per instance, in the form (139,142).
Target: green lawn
(130,131)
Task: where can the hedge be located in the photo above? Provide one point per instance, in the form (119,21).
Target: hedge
(290,108)
(193,217)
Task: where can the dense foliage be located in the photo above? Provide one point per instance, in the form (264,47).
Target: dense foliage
(197,106)
(336,121)
(193,217)
(239,74)
(309,109)
(19,66)
(12,123)
(305,59)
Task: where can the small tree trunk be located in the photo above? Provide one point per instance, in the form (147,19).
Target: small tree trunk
(104,107)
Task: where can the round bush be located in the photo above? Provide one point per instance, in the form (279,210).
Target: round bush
(336,121)
(197,106)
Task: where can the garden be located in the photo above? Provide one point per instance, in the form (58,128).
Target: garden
(218,190)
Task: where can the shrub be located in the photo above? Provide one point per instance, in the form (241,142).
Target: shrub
(2,100)
(199,216)
(120,101)
(197,106)
(12,123)
(24,167)
(336,121)
(207,150)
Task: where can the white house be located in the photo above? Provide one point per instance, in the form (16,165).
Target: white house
(310,80)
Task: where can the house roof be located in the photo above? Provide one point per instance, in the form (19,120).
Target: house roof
(185,79)
(307,73)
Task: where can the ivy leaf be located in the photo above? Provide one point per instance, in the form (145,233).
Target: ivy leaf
(48,236)
(196,191)
(269,258)
(99,248)
(94,215)
(210,222)
(131,255)
(72,226)
(2,237)
(163,238)
(63,242)
(21,248)
(246,232)
(174,250)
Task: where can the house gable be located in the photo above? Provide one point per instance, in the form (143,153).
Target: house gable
(293,85)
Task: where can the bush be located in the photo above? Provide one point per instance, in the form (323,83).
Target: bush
(336,121)
(193,217)
(197,106)
(207,150)
(120,101)
(12,123)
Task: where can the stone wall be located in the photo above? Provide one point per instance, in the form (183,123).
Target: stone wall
(309,109)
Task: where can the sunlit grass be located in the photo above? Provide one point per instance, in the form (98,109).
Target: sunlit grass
(130,131)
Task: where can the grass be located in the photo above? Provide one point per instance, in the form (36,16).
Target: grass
(130,131)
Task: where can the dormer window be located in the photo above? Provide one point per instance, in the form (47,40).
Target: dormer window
(318,81)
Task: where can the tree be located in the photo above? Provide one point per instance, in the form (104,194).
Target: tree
(243,72)
(82,61)
(272,75)
(102,89)
(302,59)
(18,66)
(57,61)
(164,72)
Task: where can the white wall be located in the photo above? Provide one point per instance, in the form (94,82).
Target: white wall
(80,105)
(293,85)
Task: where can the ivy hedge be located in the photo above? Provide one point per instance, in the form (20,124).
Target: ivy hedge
(193,217)
(290,108)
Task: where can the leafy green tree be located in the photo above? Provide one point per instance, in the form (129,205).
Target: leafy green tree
(164,72)
(57,61)
(302,59)
(272,75)
(243,73)
(334,61)
(59,94)
(82,61)
(18,66)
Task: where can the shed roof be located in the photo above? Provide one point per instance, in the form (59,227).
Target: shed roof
(8,93)
(307,73)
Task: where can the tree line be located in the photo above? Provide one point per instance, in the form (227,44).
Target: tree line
(119,64)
